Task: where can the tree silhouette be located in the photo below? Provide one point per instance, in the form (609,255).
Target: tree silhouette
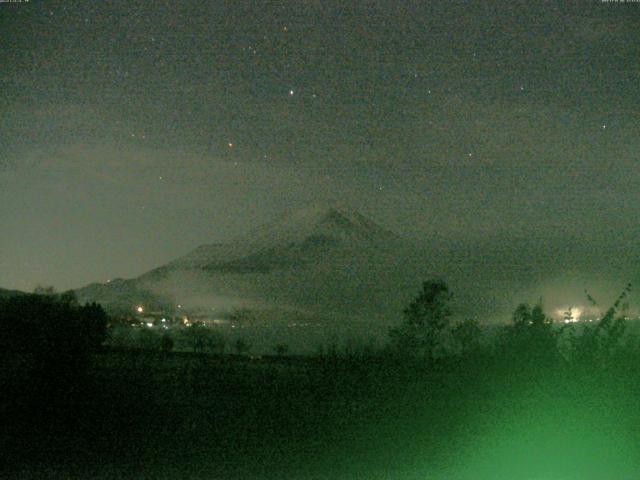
(425,319)
(467,334)
(94,324)
(196,336)
(42,290)
(51,325)
(201,338)
(530,337)
(598,344)
(45,345)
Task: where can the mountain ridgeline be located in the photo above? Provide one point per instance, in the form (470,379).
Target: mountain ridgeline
(296,240)
(317,261)
(4,293)
(325,263)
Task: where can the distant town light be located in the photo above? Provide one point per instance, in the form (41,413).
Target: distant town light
(576,313)
(149,324)
(571,314)
(139,309)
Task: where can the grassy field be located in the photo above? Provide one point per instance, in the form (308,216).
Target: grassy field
(139,414)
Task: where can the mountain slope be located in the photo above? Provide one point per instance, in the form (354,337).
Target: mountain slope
(316,258)
(296,239)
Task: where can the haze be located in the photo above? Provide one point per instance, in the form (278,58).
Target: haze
(132,134)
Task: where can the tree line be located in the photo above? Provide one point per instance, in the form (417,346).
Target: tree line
(427,332)
(47,330)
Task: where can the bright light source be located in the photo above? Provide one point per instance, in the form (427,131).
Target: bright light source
(149,324)
(139,309)
(576,313)
(571,314)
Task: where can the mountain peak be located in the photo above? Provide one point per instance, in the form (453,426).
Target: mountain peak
(314,228)
(340,223)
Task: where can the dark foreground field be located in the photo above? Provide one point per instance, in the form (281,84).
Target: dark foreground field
(144,415)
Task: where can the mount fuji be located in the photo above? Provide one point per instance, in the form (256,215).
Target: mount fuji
(327,262)
(317,259)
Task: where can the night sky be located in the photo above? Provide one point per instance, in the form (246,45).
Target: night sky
(133,131)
